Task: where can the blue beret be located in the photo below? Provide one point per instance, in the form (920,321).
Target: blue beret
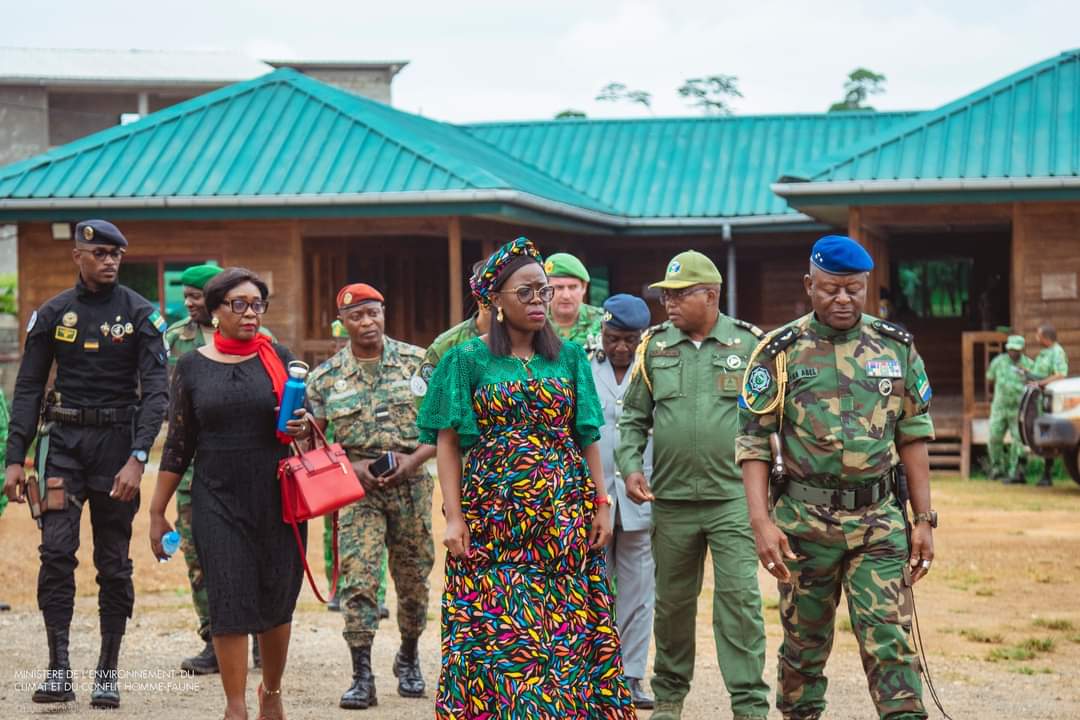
(99,232)
(626,312)
(840,255)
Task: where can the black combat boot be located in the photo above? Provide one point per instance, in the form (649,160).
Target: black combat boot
(205,663)
(58,685)
(106,692)
(407,670)
(256,653)
(361,695)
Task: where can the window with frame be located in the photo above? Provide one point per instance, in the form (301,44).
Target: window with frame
(938,288)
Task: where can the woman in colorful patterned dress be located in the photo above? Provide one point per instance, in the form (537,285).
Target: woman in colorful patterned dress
(527,628)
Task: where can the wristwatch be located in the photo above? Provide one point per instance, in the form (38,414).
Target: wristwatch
(929,516)
(140,455)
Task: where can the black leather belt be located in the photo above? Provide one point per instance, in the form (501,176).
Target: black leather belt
(842,498)
(89,416)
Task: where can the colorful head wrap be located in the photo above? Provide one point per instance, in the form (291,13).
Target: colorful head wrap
(483,282)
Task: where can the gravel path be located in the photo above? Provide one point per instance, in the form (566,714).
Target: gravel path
(1007,575)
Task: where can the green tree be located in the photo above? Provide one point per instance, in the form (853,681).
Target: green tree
(712,94)
(860,85)
(8,291)
(618,92)
(569,113)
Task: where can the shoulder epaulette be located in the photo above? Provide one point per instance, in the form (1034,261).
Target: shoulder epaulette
(751,327)
(893,330)
(780,341)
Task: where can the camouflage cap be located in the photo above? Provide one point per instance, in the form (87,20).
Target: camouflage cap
(688,269)
(1015,342)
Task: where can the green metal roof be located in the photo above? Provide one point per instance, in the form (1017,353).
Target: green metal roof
(687,167)
(1026,125)
(282,134)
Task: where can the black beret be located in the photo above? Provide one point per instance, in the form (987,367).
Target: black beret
(99,232)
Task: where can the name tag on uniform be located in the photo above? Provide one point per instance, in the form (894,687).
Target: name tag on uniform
(884,369)
(341,395)
(382,413)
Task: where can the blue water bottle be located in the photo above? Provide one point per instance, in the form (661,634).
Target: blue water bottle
(292,399)
(170,543)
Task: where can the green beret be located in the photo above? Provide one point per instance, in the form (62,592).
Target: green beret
(566,265)
(197,276)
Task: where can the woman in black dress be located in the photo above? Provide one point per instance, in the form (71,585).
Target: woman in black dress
(223,412)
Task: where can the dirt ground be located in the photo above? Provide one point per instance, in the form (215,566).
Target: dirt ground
(999,616)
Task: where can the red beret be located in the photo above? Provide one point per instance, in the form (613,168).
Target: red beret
(357,293)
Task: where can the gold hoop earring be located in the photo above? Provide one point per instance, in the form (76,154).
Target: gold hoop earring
(499,315)
(215,322)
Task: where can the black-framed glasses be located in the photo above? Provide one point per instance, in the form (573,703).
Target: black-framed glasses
(240,307)
(677,296)
(525,294)
(100,254)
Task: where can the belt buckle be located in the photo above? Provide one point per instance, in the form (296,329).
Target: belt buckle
(91,416)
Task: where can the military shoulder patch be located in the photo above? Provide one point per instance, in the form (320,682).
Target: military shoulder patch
(894,331)
(158,322)
(752,328)
(33,321)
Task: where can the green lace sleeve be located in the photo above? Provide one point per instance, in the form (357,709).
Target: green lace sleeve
(588,415)
(448,403)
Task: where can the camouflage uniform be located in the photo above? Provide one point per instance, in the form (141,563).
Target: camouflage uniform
(5,419)
(182,337)
(1050,361)
(371,407)
(586,330)
(453,337)
(852,398)
(1009,380)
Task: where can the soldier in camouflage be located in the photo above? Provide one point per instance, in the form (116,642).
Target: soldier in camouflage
(848,397)
(573,318)
(364,390)
(182,337)
(1052,363)
(1007,376)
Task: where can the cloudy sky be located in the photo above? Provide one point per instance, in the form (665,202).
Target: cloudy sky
(472,61)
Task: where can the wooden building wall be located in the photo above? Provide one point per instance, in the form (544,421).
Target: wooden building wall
(270,248)
(1046,249)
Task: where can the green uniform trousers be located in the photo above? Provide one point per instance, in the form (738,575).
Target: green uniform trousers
(191,558)
(328,559)
(397,521)
(864,552)
(1004,460)
(682,532)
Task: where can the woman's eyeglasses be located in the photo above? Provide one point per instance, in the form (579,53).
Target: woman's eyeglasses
(240,306)
(525,294)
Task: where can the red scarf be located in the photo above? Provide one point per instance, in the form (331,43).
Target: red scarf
(268,356)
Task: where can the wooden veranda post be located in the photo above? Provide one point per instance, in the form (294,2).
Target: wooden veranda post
(457,310)
(974,408)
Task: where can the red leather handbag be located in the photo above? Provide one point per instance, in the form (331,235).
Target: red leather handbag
(313,483)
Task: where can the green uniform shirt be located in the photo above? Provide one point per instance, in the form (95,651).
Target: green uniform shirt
(691,410)
(852,398)
(1051,361)
(460,333)
(1009,379)
(586,331)
(370,404)
(185,335)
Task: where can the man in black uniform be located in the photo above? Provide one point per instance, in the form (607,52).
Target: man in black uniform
(107,343)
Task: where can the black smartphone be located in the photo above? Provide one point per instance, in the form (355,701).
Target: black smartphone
(383,465)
